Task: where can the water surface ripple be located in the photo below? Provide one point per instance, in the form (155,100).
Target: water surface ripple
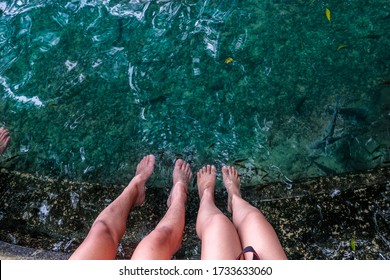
(89,87)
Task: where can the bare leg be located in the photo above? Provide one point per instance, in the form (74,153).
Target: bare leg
(253,228)
(4,139)
(108,229)
(164,241)
(219,237)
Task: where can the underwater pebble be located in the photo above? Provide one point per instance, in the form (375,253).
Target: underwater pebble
(334,193)
(44,211)
(74,199)
(27,216)
(24,149)
(12,238)
(57,246)
(69,243)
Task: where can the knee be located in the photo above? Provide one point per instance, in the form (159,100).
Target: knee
(213,222)
(219,220)
(166,239)
(162,234)
(252,217)
(101,228)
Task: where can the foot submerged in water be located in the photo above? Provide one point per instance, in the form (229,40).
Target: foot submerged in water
(144,170)
(231,180)
(206,178)
(4,139)
(181,178)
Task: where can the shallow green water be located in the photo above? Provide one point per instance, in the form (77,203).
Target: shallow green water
(89,87)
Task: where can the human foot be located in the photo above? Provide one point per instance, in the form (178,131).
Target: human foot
(144,170)
(231,180)
(181,177)
(4,139)
(206,178)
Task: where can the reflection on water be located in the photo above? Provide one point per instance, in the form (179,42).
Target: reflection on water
(89,87)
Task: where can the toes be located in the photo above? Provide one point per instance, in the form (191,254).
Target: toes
(208,169)
(188,172)
(184,167)
(146,166)
(225,170)
(151,156)
(179,163)
(229,171)
(201,172)
(149,159)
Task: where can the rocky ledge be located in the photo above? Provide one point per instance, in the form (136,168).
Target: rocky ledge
(340,217)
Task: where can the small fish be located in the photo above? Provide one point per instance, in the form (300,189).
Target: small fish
(11,158)
(376,157)
(264,176)
(211,145)
(299,105)
(385,83)
(327,13)
(340,47)
(332,122)
(239,165)
(358,114)
(325,169)
(158,99)
(120,32)
(320,144)
(240,160)
(372,36)
(52,104)
(228,60)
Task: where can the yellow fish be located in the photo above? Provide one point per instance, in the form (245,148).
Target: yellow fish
(341,47)
(327,13)
(228,60)
(353,244)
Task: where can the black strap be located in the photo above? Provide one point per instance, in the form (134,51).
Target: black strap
(249,249)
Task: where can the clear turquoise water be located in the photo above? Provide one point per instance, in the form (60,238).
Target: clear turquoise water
(89,87)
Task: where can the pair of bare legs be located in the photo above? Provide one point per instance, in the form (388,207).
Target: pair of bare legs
(221,239)
(4,139)
(225,239)
(163,242)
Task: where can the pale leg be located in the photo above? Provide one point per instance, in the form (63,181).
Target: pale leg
(164,241)
(217,233)
(253,228)
(108,229)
